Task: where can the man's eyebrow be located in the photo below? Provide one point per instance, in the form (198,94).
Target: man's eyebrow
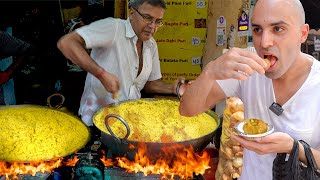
(272,24)
(279,22)
(252,24)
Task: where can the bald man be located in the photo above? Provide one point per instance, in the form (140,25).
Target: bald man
(291,80)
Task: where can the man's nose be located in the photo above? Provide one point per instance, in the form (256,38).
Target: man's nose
(266,40)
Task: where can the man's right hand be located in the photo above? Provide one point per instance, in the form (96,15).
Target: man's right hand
(236,63)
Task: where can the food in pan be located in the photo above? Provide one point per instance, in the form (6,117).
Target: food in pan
(155,121)
(255,126)
(32,133)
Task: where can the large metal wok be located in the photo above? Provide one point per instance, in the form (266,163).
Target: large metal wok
(121,146)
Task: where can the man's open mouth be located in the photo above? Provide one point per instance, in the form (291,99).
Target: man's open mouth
(272,59)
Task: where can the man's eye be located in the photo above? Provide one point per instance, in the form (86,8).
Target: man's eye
(257,30)
(278,29)
(149,18)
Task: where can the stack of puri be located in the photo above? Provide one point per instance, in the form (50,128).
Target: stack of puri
(230,152)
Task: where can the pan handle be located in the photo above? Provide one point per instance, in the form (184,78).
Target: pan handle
(58,105)
(106,121)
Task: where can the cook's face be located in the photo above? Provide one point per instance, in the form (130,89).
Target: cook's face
(277,34)
(145,30)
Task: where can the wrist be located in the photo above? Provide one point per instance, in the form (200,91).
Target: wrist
(100,73)
(207,76)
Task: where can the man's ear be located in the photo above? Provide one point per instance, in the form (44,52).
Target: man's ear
(304,32)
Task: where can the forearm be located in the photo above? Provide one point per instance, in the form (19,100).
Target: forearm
(159,86)
(73,48)
(201,95)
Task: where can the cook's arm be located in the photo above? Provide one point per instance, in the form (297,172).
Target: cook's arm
(158,86)
(72,46)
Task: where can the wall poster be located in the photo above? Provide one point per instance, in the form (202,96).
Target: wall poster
(181,39)
(221,31)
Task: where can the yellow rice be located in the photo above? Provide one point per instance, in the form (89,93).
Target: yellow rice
(151,120)
(32,133)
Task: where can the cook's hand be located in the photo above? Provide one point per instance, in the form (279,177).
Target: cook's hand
(277,142)
(110,82)
(236,63)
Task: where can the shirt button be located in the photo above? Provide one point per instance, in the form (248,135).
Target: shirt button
(136,68)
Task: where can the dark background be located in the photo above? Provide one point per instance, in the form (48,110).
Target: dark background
(312,9)
(40,24)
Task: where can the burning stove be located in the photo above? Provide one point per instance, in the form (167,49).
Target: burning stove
(90,166)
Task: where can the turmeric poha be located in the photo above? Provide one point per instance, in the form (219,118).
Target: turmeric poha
(33,133)
(155,121)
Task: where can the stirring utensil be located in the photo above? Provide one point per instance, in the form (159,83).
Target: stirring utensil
(116,99)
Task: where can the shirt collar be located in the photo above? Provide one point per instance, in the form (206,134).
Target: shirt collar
(131,34)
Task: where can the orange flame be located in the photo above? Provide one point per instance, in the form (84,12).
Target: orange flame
(107,162)
(175,161)
(72,162)
(13,169)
